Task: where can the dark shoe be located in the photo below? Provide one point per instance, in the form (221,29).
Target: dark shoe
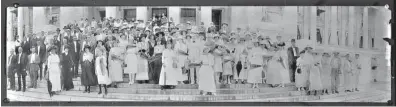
(100,92)
(375,80)
(85,91)
(356,89)
(336,92)
(115,86)
(18,90)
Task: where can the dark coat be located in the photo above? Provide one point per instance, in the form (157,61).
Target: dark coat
(22,66)
(42,52)
(290,54)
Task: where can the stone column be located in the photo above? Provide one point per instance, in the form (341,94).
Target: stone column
(306,23)
(111,11)
(333,25)
(365,28)
(141,13)
(313,22)
(206,15)
(326,30)
(10,33)
(174,13)
(351,25)
(21,22)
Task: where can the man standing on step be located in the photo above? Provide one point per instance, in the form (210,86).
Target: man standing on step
(374,68)
(33,67)
(292,53)
(21,68)
(335,72)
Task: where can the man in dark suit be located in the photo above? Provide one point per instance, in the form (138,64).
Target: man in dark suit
(26,44)
(20,68)
(57,43)
(293,54)
(75,51)
(41,52)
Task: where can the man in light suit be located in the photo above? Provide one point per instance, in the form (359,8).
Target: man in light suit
(33,67)
(292,53)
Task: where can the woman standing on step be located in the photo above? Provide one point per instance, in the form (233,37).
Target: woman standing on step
(142,74)
(131,61)
(325,72)
(101,67)
(116,60)
(67,73)
(156,60)
(168,76)
(315,83)
(53,72)
(88,77)
(301,72)
(206,72)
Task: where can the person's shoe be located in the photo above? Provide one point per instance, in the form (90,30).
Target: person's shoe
(375,80)
(85,91)
(100,92)
(336,92)
(356,89)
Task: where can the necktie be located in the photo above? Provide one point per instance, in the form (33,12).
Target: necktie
(19,59)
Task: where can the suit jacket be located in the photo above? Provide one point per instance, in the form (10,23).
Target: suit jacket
(26,45)
(58,45)
(290,54)
(66,61)
(41,51)
(20,68)
(33,65)
(75,50)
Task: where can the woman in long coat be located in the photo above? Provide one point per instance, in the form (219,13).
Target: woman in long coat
(67,65)
(206,77)
(315,83)
(101,67)
(88,76)
(54,71)
(168,76)
(325,73)
(131,59)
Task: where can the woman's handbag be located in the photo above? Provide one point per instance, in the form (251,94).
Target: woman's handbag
(298,70)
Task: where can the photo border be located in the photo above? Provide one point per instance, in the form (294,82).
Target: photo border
(8,3)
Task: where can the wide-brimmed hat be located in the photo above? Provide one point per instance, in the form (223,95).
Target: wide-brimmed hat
(224,24)
(87,46)
(52,48)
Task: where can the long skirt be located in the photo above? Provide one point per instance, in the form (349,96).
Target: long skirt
(88,76)
(116,70)
(348,80)
(143,69)
(326,77)
(156,69)
(315,82)
(255,75)
(206,79)
(302,77)
(55,76)
(227,70)
(168,76)
(102,72)
(67,75)
(218,64)
(274,73)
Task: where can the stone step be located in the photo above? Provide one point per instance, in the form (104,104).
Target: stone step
(186,91)
(152,97)
(77,84)
(370,97)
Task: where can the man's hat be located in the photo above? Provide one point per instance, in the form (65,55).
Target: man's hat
(52,48)
(224,24)
(57,29)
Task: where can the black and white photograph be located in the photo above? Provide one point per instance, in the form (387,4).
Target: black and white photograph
(198,53)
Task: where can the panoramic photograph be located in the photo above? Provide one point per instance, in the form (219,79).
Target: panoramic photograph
(198,53)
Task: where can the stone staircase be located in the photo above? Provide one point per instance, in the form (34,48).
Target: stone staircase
(190,92)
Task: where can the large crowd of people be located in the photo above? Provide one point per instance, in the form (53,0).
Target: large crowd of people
(162,52)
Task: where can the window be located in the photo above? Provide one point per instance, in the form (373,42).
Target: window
(157,12)
(188,14)
(130,14)
(52,15)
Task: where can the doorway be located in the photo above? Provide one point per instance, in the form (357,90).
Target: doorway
(102,14)
(216,18)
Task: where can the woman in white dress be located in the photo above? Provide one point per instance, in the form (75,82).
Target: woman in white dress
(181,49)
(274,77)
(315,82)
(206,77)
(218,55)
(325,73)
(131,59)
(282,52)
(227,64)
(54,71)
(142,74)
(116,60)
(101,67)
(168,76)
(256,62)
(303,67)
